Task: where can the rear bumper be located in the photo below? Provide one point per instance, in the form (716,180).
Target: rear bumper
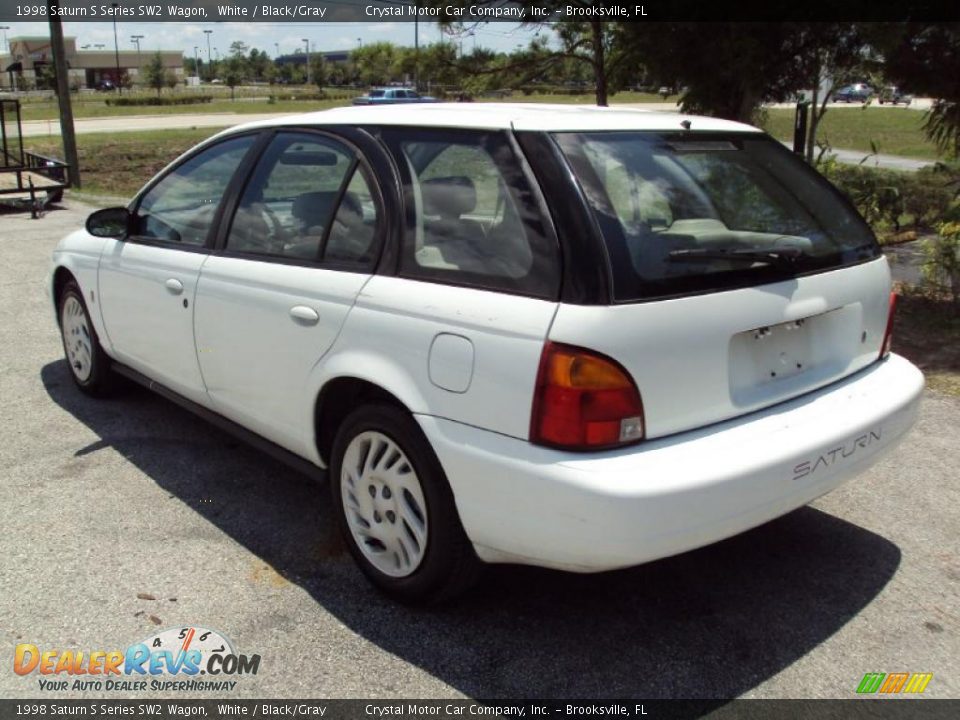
(523,503)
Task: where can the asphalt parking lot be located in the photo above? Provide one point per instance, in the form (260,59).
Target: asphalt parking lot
(127,516)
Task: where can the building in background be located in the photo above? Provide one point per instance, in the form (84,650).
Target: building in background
(300,58)
(29,64)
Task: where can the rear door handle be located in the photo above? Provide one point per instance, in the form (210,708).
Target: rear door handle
(304,315)
(174,286)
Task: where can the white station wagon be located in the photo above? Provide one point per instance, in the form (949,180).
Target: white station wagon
(578,338)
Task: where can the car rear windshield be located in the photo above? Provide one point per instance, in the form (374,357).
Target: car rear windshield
(685,213)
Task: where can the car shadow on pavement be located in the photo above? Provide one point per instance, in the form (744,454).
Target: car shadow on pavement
(711,623)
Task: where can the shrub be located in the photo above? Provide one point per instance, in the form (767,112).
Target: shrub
(890,199)
(166,100)
(941,261)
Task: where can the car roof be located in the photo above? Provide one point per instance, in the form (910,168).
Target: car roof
(503,116)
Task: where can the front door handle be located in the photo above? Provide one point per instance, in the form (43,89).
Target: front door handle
(174,286)
(304,315)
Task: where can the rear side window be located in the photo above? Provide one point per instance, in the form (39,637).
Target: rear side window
(683,213)
(308,199)
(472,217)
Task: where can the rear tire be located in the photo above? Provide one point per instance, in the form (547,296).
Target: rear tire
(396,510)
(88,363)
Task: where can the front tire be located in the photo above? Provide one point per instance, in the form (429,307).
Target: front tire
(396,510)
(88,363)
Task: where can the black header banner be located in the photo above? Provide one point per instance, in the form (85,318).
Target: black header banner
(477,11)
(164,709)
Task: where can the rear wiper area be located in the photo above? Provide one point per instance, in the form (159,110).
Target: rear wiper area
(784,256)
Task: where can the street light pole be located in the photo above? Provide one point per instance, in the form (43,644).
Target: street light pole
(196,63)
(116,47)
(6,44)
(136,39)
(307,41)
(209,56)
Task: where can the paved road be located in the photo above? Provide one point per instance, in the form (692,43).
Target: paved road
(103,500)
(136,123)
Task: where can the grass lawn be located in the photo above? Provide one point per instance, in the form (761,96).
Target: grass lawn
(895,131)
(98,108)
(118,164)
(87,106)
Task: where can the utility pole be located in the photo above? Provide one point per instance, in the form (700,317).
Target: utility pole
(63,95)
(416,46)
(116,47)
(196,63)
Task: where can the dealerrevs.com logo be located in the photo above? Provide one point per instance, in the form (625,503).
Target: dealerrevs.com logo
(894,683)
(184,659)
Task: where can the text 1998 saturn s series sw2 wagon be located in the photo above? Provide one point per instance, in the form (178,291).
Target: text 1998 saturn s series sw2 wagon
(568,337)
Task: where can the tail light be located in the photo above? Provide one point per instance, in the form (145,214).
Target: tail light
(584,401)
(888,334)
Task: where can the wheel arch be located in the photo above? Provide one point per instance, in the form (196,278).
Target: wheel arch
(61,276)
(338,396)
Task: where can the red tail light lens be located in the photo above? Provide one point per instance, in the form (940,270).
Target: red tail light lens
(584,401)
(888,334)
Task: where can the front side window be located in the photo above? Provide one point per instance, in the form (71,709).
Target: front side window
(309,198)
(683,213)
(181,207)
(472,217)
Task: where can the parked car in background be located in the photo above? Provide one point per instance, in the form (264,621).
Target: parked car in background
(893,95)
(578,338)
(392,96)
(856,93)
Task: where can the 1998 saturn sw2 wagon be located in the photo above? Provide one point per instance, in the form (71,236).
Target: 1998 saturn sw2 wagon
(568,337)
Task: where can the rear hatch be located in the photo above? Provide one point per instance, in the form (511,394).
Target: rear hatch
(741,278)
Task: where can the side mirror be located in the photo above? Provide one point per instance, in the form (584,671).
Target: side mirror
(110,222)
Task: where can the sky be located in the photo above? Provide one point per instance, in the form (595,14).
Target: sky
(288,36)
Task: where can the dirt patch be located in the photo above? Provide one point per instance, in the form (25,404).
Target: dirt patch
(927,332)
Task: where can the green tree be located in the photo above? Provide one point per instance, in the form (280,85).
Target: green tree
(595,44)
(375,63)
(257,63)
(319,71)
(46,76)
(924,58)
(154,74)
(271,73)
(234,72)
(727,69)
(342,73)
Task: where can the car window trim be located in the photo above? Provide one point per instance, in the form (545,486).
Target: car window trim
(584,280)
(220,248)
(341,192)
(208,243)
(390,135)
